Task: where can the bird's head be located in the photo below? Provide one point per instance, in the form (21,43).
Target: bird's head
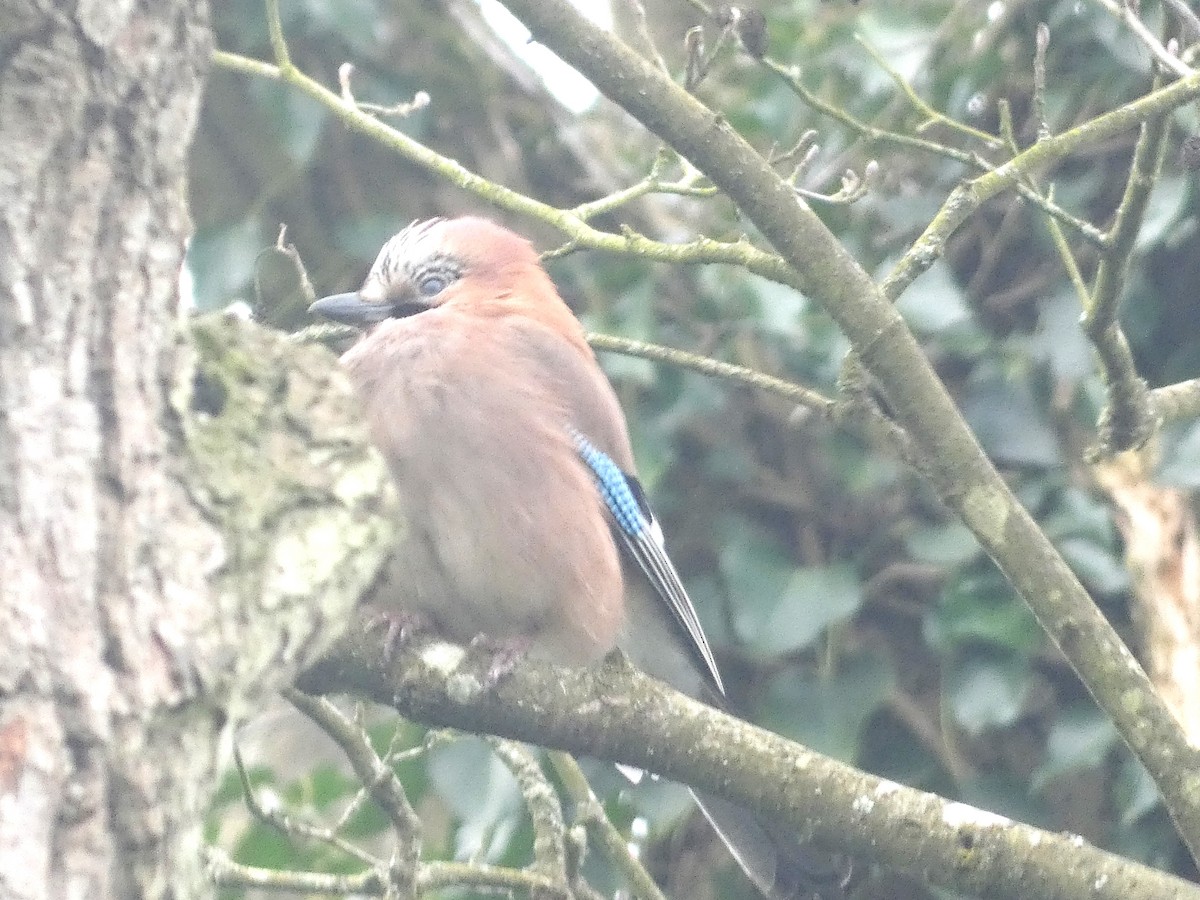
(468,264)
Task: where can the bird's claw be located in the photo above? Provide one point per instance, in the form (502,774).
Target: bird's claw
(506,653)
(399,627)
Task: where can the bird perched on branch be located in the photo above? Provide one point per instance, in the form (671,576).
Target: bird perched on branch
(525,521)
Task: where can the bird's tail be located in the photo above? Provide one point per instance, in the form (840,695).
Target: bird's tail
(773,858)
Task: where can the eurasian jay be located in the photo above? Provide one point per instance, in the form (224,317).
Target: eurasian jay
(525,522)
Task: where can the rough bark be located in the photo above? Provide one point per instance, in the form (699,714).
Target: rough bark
(130,634)
(1162,550)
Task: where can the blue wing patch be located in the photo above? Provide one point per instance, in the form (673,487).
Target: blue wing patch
(640,535)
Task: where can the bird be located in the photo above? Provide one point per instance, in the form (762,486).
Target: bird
(525,522)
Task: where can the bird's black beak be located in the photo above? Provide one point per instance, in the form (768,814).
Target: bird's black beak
(351,309)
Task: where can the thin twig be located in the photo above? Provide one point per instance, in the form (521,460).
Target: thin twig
(792,78)
(707,366)
(545,810)
(1041,42)
(589,811)
(225,873)
(1128,418)
(701,250)
(279,819)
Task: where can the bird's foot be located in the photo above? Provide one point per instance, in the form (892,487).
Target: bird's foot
(506,653)
(399,626)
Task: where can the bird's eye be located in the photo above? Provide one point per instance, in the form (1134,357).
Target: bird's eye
(431,285)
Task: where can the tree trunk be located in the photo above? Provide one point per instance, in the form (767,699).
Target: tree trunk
(141,600)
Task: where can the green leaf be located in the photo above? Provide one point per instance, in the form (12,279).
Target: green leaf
(987,692)
(1009,423)
(368,821)
(782,607)
(481,792)
(827,712)
(362,237)
(1097,566)
(1134,792)
(221,261)
(779,307)
(1181,465)
(328,784)
(266,847)
(982,607)
(950,545)
(1058,341)
(813,598)
(294,117)
(1168,205)
(1081,738)
(936,304)
(1077,513)
(355,21)
(1006,795)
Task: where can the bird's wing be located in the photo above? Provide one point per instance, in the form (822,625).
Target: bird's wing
(597,428)
(639,533)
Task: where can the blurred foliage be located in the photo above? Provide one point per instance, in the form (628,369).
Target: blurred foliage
(847,609)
